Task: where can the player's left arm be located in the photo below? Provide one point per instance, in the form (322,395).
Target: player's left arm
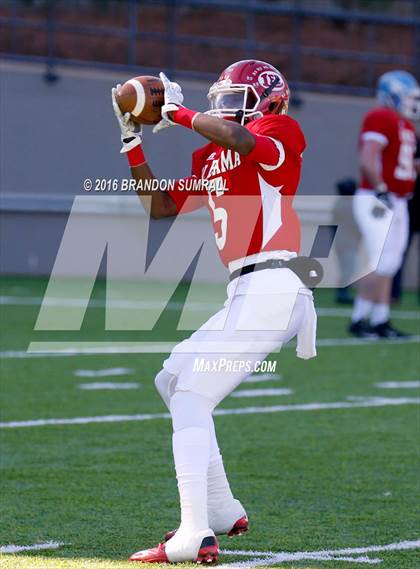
(227,134)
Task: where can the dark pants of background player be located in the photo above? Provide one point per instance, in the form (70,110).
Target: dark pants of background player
(347,242)
(414,214)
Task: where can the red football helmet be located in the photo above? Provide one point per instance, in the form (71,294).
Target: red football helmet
(247,90)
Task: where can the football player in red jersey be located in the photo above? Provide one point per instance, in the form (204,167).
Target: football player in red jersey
(251,166)
(387,147)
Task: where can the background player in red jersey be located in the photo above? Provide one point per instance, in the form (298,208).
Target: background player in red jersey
(387,148)
(252,167)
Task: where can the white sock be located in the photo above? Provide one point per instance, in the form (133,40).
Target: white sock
(361,309)
(219,492)
(380,314)
(191,448)
(214,446)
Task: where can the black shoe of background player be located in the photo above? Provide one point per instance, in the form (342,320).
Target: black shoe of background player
(344,296)
(385,330)
(362,329)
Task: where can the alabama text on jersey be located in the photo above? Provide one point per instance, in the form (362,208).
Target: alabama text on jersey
(250,202)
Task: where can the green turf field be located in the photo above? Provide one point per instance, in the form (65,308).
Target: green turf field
(341,474)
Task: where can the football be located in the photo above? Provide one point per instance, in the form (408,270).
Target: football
(143,98)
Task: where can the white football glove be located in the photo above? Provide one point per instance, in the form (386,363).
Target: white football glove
(131,133)
(173,100)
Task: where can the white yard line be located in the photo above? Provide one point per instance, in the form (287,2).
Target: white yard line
(261,392)
(262,377)
(109,372)
(332,342)
(264,558)
(347,312)
(398,385)
(84,420)
(119,304)
(36,547)
(123,304)
(293,557)
(99,385)
(61,349)
(359,403)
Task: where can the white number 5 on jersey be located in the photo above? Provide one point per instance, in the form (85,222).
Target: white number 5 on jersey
(219,214)
(405,167)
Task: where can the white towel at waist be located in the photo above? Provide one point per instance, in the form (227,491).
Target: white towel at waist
(306,337)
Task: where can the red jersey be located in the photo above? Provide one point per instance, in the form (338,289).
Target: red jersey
(398,138)
(250,203)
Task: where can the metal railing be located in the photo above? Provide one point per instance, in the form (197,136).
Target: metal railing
(295,51)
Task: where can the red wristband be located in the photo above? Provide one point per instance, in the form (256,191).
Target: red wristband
(184,117)
(136,156)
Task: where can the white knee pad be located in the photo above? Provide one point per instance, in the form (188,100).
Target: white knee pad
(388,267)
(392,256)
(385,238)
(165,384)
(190,410)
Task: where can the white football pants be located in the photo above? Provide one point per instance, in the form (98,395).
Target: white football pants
(384,236)
(263,311)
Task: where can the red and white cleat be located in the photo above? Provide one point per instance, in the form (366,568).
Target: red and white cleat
(239,527)
(207,553)
(155,555)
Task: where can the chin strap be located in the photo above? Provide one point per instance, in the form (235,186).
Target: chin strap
(271,87)
(240,116)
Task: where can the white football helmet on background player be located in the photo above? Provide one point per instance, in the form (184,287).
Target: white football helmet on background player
(400,91)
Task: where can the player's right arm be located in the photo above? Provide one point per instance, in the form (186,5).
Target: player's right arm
(168,203)
(157,203)
(370,161)
(374,138)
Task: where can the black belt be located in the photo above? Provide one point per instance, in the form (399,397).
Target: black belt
(309,270)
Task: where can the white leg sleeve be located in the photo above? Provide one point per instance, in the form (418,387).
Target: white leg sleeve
(219,491)
(191,418)
(223,510)
(214,445)
(191,453)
